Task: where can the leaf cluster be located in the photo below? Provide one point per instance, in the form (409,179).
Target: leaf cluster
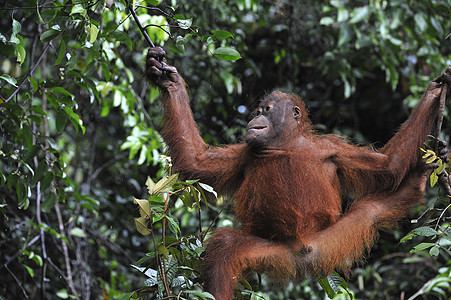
(172,266)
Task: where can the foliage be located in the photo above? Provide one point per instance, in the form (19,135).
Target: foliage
(431,157)
(70,100)
(79,128)
(172,265)
(333,284)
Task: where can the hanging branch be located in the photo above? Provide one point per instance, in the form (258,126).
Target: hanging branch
(141,28)
(443,177)
(441,111)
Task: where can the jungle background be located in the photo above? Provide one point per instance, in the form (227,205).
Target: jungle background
(79,135)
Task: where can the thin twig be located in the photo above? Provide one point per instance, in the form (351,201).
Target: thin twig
(421,290)
(161,27)
(18,282)
(143,31)
(441,215)
(159,12)
(34,240)
(61,272)
(29,73)
(43,57)
(214,220)
(42,235)
(70,280)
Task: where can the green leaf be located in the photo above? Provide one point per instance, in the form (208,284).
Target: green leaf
(332,283)
(49,35)
(202,295)
(183,22)
(144,207)
(27,136)
(78,9)
(163,250)
(16,27)
(141,226)
(360,14)
(342,14)
(39,172)
(122,37)
(47,180)
(208,188)
(324,283)
(430,159)
(434,251)
(187,199)
(76,231)
(425,231)
(72,62)
(49,203)
(150,185)
(75,119)
(93,33)
(63,294)
(27,165)
(175,49)
(61,52)
(420,21)
(421,246)
(21,54)
(348,89)
(326,21)
(441,168)
(142,154)
(433,179)
(427,153)
(145,258)
(59,89)
(345,34)
(127,296)
(174,225)
(21,191)
(33,256)
(181,41)
(60,120)
(222,34)
(30,270)
(153,2)
(164,185)
(34,85)
(156,217)
(106,72)
(227,53)
(11,80)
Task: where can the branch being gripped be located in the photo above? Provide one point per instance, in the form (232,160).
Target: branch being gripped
(443,178)
(141,28)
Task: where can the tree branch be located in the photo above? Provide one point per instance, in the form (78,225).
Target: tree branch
(155,11)
(18,282)
(441,111)
(161,27)
(143,31)
(38,186)
(443,178)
